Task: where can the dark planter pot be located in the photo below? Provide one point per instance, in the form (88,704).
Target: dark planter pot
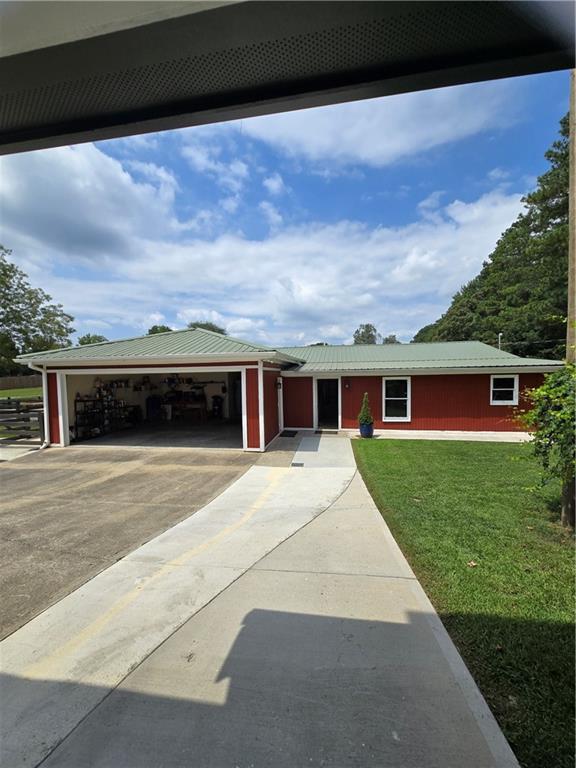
(366,430)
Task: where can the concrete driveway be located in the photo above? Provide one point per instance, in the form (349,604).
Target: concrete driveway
(278,626)
(65,515)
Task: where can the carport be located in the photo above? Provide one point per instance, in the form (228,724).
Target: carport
(190,388)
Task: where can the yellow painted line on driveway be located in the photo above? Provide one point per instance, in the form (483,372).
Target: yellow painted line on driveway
(45,667)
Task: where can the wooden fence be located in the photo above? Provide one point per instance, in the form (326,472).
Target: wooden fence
(20,382)
(21,419)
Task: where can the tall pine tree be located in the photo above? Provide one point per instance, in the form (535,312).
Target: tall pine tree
(522,288)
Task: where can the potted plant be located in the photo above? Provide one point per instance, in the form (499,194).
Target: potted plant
(365,418)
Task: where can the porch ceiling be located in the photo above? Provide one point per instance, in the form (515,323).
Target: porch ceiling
(83,76)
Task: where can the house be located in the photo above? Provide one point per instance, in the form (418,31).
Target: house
(198,381)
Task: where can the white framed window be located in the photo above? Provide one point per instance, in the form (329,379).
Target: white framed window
(504,389)
(396,398)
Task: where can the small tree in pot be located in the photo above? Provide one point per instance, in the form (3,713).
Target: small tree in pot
(365,418)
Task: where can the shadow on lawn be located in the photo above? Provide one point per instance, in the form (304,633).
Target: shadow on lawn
(525,670)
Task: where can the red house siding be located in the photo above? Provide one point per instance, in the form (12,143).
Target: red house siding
(453,402)
(297,401)
(271,425)
(252,412)
(53,417)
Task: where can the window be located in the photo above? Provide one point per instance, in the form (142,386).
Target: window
(504,390)
(396,399)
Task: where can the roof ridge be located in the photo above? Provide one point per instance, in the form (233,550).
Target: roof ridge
(234,338)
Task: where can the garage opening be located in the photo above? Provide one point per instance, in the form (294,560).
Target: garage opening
(196,409)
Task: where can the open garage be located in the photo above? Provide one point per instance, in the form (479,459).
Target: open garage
(191,388)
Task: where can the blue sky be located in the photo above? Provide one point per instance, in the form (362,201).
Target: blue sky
(285,229)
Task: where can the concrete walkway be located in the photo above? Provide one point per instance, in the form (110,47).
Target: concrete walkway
(447,434)
(279,626)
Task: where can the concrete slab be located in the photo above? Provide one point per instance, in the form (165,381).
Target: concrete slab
(67,514)
(325,451)
(11,452)
(278,626)
(93,637)
(297,666)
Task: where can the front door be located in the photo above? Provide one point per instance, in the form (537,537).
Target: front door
(327,403)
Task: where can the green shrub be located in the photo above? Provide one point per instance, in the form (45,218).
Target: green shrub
(365,415)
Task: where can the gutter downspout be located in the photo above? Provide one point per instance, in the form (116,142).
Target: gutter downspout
(39,369)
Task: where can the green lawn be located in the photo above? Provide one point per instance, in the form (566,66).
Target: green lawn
(28,392)
(450,504)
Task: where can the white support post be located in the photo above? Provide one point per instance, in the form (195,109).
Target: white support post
(280,390)
(63,409)
(339,403)
(45,407)
(244,414)
(261,405)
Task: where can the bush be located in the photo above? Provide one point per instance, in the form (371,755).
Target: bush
(365,415)
(551,420)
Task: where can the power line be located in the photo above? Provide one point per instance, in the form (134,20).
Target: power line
(529,343)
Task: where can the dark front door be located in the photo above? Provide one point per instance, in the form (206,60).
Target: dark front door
(327,403)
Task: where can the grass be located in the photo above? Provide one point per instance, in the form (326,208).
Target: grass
(26,392)
(450,504)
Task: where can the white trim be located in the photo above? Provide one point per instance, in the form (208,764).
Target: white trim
(176,359)
(408,398)
(244,414)
(45,407)
(62,409)
(314,403)
(129,371)
(261,437)
(317,377)
(404,372)
(515,392)
(280,394)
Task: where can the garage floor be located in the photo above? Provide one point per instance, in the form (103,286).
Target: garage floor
(66,514)
(173,434)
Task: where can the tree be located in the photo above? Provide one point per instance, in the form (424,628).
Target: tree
(207,326)
(91,338)
(365,415)
(29,321)
(318,344)
(159,329)
(551,419)
(366,334)
(390,339)
(522,288)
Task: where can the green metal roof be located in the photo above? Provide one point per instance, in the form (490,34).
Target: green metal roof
(198,343)
(190,342)
(392,357)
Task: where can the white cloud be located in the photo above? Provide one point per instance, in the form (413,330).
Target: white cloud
(205,158)
(498,174)
(379,132)
(197,314)
(166,182)
(230,204)
(274,184)
(69,207)
(272,214)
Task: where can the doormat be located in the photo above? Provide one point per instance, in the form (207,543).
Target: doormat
(289,433)
(326,432)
